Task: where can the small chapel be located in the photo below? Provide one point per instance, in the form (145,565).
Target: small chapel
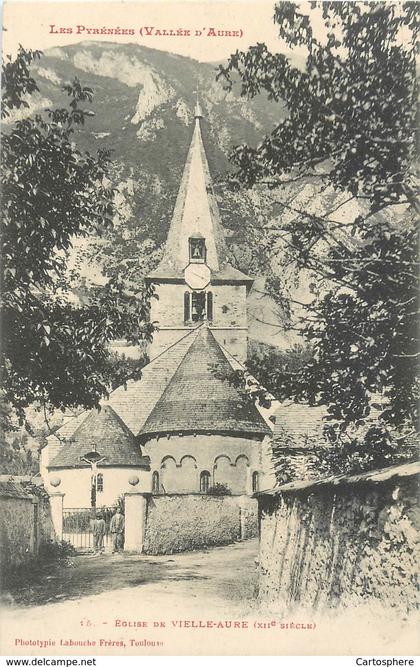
(181,428)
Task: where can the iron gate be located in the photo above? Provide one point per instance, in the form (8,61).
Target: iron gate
(78,526)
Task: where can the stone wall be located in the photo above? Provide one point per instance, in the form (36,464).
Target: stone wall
(16,531)
(229,323)
(187,522)
(46,527)
(342,541)
(179,461)
(25,524)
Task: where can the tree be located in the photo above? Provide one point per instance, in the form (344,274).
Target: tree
(55,351)
(351,130)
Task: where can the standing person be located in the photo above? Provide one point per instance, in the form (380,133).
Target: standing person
(117,530)
(99,532)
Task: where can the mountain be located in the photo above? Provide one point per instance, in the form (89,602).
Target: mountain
(143,104)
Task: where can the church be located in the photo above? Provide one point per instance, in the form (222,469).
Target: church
(182,428)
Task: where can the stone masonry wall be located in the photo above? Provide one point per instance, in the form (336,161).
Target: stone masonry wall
(46,527)
(17,535)
(25,524)
(342,542)
(229,323)
(179,460)
(188,522)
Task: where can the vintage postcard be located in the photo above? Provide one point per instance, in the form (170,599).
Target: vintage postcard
(209,328)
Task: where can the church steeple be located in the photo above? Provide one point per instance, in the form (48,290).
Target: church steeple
(194,281)
(196,213)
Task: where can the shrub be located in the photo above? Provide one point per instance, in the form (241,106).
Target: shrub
(56,550)
(219,490)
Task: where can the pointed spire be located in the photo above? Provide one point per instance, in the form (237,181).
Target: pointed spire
(196,212)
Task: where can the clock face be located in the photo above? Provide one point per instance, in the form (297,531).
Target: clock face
(197,276)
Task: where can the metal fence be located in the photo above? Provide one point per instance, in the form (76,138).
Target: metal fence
(78,527)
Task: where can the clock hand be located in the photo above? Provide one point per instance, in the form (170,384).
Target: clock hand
(197,275)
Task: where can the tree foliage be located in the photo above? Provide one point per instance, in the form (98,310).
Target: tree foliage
(54,350)
(219,489)
(351,130)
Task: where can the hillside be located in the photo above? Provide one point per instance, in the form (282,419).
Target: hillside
(143,105)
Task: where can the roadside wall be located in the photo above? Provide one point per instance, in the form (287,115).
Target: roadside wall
(46,527)
(178,522)
(17,538)
(25,523)
(342,541)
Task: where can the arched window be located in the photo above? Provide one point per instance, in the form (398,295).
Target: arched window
(155,482)
(198,306)
(99,482)
(255,484)
(197,249)
(186,306)
(210,306)
(204,481)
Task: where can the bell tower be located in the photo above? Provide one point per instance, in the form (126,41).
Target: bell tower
(194,282)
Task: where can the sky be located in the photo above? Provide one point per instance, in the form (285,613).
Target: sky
(29,23)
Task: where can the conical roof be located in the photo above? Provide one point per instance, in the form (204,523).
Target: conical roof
(133,401)
(196,214)
(199,398)
(102,430)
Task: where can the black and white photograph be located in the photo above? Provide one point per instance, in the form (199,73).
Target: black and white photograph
(209,329)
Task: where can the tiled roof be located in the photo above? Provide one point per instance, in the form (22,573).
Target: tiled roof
(13,489)
(394,473)
(227,274)
(199,399)
(196,213)
(133,402)
(299,426)
(105,431)
(71,423)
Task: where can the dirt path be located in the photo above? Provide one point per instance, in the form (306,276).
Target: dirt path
(185,604)
(93,597)
(227,575)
